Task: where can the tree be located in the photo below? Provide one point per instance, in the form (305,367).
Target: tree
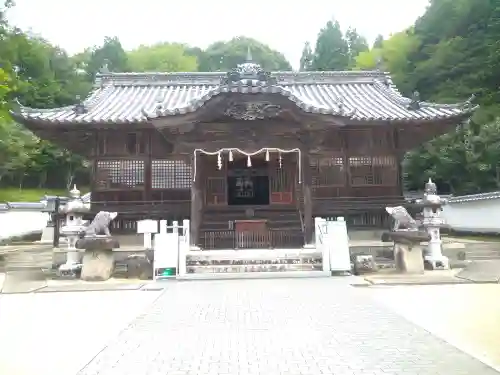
(224,56)
(162,57)
(110,56)
(379,40)
(332,51)
(306,58)
(456,55)
(393,58)
(356,44)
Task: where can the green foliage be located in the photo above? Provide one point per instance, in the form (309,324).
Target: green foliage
(306,58)
(356,43)
(32,195)
(452,52)
(110,56)
(332,50)
(224,56)
(162,57)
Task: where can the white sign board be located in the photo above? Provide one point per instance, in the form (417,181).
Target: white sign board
(166,250)
(338,243)
(147,226)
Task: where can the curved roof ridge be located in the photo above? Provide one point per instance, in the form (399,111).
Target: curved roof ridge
(150,78)
(25,109)
(395,95)
(253,88)
(92,99)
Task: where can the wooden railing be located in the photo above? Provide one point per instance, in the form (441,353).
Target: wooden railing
(270,239)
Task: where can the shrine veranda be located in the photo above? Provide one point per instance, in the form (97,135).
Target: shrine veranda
(249,156)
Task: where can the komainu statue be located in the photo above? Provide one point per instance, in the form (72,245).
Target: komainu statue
(100,225)
(402,218)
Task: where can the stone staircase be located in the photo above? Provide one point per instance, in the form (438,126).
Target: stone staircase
(221,221)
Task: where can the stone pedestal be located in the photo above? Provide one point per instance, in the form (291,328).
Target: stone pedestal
(408,258)
(98,261)
(408,253)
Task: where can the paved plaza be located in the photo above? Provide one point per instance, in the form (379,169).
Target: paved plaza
(272,327)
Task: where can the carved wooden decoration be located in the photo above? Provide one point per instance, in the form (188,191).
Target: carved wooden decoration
(250,111)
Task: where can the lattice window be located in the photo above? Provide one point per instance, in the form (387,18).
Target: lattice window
(377,170)
(119,174)
(328,172)
(170,174)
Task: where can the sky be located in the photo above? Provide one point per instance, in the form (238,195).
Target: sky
(283,25)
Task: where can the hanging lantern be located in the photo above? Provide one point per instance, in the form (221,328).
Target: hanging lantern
(230,155)
(249,161)
(280,160)
(219,161)
(267,155)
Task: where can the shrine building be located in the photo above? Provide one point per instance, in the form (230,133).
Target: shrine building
(246,151)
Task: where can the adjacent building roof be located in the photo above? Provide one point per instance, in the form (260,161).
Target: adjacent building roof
(141,97)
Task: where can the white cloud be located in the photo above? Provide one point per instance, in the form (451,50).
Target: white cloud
(283,25)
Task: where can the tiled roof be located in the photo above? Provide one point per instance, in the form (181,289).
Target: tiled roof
(139,97)
(475,197)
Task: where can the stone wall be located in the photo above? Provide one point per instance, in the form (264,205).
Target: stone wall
(21,219)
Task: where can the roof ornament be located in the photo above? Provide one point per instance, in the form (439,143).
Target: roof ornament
(415,101)
(249,55)
(379,63)
(79,108)
(105,67)
(341,106)
(248,74)
(430,188)
(469,102)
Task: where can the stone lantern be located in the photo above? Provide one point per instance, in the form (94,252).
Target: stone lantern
(432,222)
(74,224)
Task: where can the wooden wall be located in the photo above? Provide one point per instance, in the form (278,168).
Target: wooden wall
(140,166)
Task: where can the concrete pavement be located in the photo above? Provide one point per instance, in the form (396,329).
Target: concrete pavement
(58,333)
(272,327)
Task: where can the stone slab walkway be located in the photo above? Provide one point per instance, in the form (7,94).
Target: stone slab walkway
(273,327)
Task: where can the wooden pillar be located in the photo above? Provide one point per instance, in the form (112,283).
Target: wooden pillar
(148,172)
(308,203)
(196,200)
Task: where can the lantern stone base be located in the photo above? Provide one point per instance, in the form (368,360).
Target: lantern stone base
(437,262)
(69,270)
(98,261)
